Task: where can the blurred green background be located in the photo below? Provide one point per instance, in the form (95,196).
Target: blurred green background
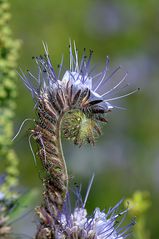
(125,158)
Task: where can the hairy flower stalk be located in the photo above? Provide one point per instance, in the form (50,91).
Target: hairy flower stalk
(74,106)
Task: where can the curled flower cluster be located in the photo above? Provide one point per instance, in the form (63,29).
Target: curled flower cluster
(81,96)
(75,105)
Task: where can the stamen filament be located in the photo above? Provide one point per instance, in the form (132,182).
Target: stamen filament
(88,190)
(104,74)
(21,126)
(122,96)
(120,82)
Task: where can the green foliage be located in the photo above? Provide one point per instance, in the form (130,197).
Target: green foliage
(21,206)
(138,206)
(8,63)
(11,210)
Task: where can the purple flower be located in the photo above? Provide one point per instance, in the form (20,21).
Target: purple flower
(79,75)
(99,225)
(74,104)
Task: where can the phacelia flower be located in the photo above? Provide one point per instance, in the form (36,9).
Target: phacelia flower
(81,93)
(79,75)
(73,105)
(99,225)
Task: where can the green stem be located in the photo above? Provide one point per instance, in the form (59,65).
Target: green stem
(59,146)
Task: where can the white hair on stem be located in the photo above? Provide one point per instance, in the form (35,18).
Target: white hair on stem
(31,148)
(21,126)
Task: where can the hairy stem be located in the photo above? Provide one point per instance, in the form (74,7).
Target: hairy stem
(48,136)
(59,146)
(59,110)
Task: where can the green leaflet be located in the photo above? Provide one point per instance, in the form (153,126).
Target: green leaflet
(22,205)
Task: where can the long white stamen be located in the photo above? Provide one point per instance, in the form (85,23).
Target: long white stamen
(120,108)
(20,128)
(48,59)
(31,148)
(97,75)
(82,60)
(71,57)
(76,58)
(112,210)
(61,64)
(22,75)
(39,75)
(87,63)
(122,96)
(26,82)
(105,72)
(122,220)
(113,73)
(33,76)
(88,190)
(122,80)
(46,49)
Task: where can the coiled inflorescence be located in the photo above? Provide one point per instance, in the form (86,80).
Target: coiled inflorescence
(74,106)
